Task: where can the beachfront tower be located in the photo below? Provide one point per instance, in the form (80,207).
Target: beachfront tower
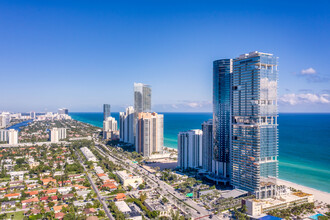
(12,136)
(207,128)
(149,133)
(142,98)
(254,138)
(190,149)
(106,111)
(126,124)
(142,101)
(222,70)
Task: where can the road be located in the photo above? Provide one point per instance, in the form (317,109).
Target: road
(195,210)
(99,197)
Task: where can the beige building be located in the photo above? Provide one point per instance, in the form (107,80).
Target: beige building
(149,133)
(256,207)
(128,179)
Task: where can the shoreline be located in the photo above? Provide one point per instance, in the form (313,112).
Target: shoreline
(318,194)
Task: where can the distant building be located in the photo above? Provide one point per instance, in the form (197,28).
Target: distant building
(57,134)
(207,152)
(12,136)
(32,115)
(126,125)
(3,135)
(63,111)
(149,133)
(4,119)
(110,128)
(142,101)
(106,111)
(142,98)
(110,124)
(190,149)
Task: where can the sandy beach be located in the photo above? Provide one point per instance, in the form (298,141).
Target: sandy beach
(318,195)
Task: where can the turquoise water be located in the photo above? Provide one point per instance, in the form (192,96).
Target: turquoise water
(315,216)
(304,142)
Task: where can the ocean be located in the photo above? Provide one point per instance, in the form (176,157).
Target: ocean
(304,142)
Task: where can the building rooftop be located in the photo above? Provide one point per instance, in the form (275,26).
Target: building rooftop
(123,207)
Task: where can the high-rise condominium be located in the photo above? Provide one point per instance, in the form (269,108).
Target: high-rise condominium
(149,133)
(222,70)
(110,124)
(207,153)
(190,149)
(4,119)
(110,129)
(32,115)
(142,98)
(106,111)
(63,111)
(254,120)
(245,119)
(12,136)
(57,134)
(3,135)
(126,125)
(142,101)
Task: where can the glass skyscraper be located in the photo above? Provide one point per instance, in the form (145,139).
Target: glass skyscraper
(106,111)
(142,98)
(245,129)
(222,70)
(142,101)
(254,120)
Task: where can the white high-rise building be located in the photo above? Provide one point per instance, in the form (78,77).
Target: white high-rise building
(57,134)
(12,136)
(149,133)
(110,128)
(126,125)
(3,135)
(190,149)
(110,124)
(4,119)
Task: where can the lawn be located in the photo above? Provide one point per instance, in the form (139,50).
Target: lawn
(17,215)
(4,179)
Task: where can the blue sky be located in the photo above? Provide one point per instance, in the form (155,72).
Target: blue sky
(81,54)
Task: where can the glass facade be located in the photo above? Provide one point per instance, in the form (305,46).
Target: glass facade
(222,70)
(254,120)
(142,101)
(106,111)
(207,128)
(142,98)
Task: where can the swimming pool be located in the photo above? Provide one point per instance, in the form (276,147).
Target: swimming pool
(315,216)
